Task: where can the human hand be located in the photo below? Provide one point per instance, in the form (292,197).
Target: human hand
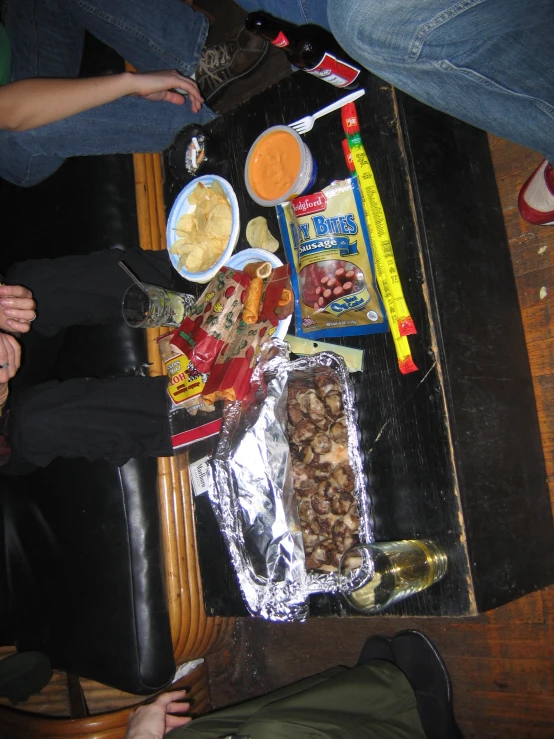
(17,308)
(10,359)
(155,720)
(162,85)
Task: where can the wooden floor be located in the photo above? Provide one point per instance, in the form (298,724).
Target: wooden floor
(501,663)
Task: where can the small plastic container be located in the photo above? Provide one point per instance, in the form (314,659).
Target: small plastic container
(304,179)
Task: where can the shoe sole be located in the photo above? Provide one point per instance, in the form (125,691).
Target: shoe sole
(220,89)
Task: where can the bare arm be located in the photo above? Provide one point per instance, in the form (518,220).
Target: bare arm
(31,103)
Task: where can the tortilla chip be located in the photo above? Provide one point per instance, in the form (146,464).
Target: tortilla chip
(220,222)
(186,224)
(259,236)
(218,189)
(193,260)
(208,257)
(197,194)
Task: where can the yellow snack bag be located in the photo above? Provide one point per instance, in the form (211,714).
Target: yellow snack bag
(185,381)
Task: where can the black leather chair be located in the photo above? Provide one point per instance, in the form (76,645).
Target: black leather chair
(81,572)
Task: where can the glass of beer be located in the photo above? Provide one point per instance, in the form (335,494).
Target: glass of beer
(155,306)
(374,576)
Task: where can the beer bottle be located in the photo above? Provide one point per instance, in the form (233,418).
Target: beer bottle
(308,47)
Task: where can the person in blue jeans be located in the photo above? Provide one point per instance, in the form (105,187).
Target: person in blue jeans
(486,62)
(47,114)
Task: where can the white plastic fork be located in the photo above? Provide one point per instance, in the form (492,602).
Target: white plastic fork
(307,123)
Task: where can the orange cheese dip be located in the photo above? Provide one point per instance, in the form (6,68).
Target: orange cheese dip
(274,165)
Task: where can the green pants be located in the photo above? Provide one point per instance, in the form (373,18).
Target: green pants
(370,701)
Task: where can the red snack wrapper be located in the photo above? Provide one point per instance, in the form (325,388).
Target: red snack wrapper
(350,121)
(206,329)
(230,376)
(216,339)
(348,156)
(280,280)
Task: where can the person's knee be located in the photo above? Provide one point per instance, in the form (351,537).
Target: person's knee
(17,177)
(374,33)
(20,161)
(25,177)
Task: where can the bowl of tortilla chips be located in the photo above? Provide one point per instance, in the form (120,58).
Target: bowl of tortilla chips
(203,228)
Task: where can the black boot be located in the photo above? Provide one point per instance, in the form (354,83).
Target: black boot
(420,661)
(377,647)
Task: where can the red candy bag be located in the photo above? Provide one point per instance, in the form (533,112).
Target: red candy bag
(216,339)
(207,327)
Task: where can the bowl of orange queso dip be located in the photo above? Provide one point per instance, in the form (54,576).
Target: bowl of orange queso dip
(279,167)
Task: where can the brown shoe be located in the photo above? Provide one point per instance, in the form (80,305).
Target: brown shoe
(219,65)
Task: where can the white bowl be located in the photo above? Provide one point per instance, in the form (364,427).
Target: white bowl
(182,206)
(239,260)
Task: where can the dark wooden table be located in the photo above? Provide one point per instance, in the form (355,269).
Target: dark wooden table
(452,452)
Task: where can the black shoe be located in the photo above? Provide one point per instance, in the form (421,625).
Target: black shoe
(24,674)
(420,661)
(219,65)
(377,647)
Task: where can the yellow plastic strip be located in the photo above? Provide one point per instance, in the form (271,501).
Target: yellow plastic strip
(379,233)
(401,323)
(386,285)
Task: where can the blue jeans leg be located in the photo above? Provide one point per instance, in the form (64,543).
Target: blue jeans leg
(47,35)
(47,40)
(487,62)
(164,34)
(294,11)
(125,126)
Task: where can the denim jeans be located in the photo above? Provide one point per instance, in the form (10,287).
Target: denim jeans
(47,38)
(486,62)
